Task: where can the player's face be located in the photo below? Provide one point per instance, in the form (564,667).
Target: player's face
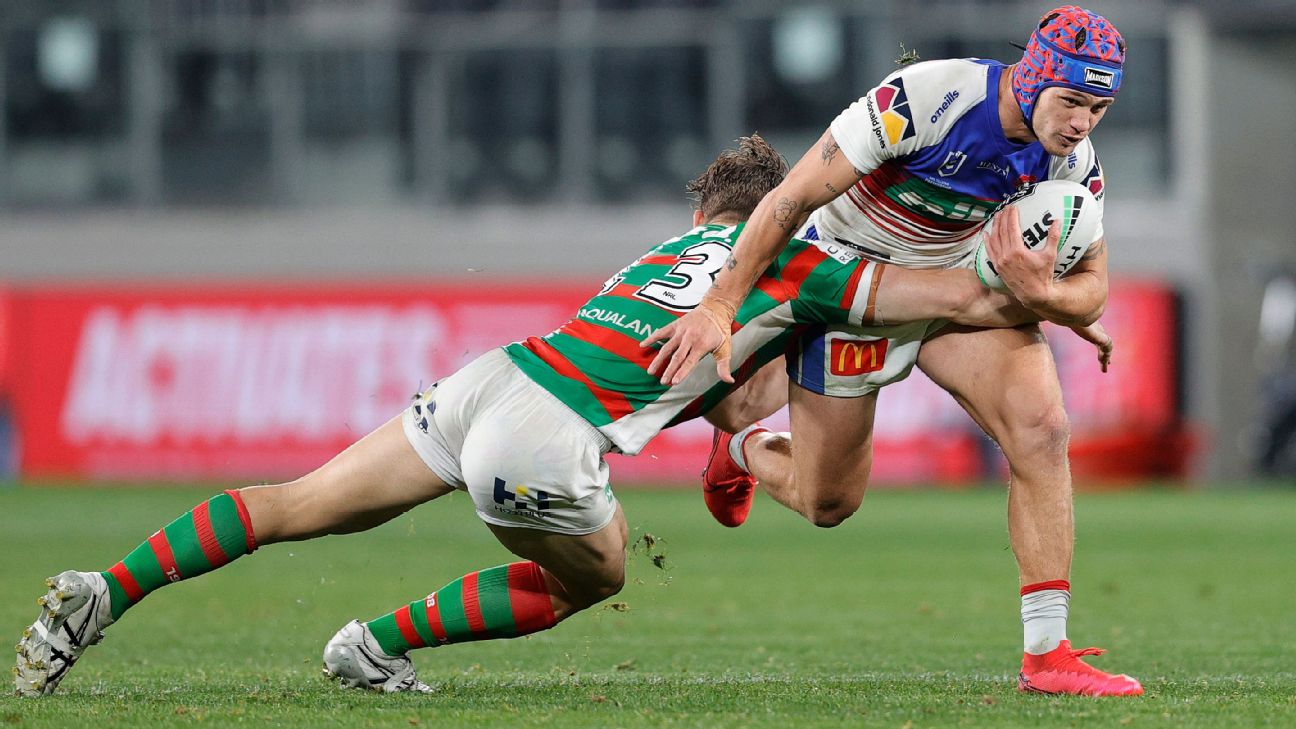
(1064,117)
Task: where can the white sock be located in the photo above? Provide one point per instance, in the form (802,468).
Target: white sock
(736,445)
(1044,619)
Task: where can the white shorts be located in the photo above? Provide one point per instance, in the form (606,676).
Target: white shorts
(841,360)
(851,361)
(526,459)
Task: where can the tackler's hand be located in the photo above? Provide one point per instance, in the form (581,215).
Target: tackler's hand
(705,330)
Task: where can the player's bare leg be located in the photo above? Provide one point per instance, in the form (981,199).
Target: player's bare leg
(371,482)
(375,480)
(824,478)
(760,397)
(1006,380)
(581,571)
(563,575)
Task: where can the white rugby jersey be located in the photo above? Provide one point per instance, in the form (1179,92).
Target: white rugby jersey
(936,164)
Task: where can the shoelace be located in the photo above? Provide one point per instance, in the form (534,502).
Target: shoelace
(1090,651)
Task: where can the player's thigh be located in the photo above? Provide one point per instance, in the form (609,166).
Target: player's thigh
(375,479)
(1004,378)
(832,447)
(760,397)
(590,567)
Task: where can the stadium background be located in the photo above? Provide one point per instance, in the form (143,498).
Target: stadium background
(236,233)
(191,188)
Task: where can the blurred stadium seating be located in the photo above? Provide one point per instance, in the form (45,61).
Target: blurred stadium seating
(270,149)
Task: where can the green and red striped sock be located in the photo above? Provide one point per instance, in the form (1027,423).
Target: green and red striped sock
(216,532)
(501,602)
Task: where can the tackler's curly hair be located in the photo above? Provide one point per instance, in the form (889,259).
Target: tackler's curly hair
(738,179)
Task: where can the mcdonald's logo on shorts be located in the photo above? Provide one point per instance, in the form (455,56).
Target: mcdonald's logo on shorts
(852,357)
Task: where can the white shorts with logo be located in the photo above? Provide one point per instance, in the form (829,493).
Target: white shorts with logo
(850,361)
(526,459)
(842,360)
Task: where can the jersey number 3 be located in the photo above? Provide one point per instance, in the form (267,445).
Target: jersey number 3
(683,287)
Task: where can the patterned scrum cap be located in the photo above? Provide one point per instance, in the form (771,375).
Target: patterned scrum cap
(1074,48)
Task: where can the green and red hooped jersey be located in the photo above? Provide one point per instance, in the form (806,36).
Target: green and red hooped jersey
(594,363)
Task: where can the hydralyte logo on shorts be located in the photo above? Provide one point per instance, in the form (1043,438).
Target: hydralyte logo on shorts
(524,500)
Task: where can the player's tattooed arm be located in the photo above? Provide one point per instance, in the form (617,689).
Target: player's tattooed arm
(828,150)
(787,214)
(1095,250)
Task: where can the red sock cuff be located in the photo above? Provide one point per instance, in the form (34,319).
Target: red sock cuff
(243,517)
(1049,585)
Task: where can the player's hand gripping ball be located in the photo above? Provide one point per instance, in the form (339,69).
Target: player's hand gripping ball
(1039,205)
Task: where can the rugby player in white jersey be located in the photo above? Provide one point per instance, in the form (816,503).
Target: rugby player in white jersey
(523,429)
(908,175)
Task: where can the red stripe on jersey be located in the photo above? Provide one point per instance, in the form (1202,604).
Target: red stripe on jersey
(616,404)
(852,285)
(406,625)
(165,557)
(472,605)
(206,537)
(886,225)
(624,291)
(788,283)
(882,179)
(799,268)
(660,259)
(127,582)
(773,288)
(529,598)
(876,184)
(611,340)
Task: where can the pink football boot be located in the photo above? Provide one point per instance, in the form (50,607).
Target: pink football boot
(727,489)
(1060,671)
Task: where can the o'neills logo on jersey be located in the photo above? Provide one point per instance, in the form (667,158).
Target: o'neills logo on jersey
(949,99)
(851,357)
(1098,77)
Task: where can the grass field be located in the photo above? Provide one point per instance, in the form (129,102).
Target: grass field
(905,616)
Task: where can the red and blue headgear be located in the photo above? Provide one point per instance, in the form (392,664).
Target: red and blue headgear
(1074,48)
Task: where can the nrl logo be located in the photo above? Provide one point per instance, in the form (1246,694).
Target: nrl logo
(1098,77)
(953,161)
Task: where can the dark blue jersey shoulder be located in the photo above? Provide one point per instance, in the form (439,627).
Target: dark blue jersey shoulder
(974,157)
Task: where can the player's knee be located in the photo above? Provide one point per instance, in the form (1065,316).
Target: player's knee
(1043,431)
(829,512)
(598,585)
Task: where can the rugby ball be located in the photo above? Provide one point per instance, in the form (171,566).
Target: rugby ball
(1039,205)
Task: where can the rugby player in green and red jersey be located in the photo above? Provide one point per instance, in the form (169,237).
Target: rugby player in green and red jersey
(523,429)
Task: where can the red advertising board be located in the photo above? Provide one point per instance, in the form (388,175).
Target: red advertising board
(6,344)
(261,382)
